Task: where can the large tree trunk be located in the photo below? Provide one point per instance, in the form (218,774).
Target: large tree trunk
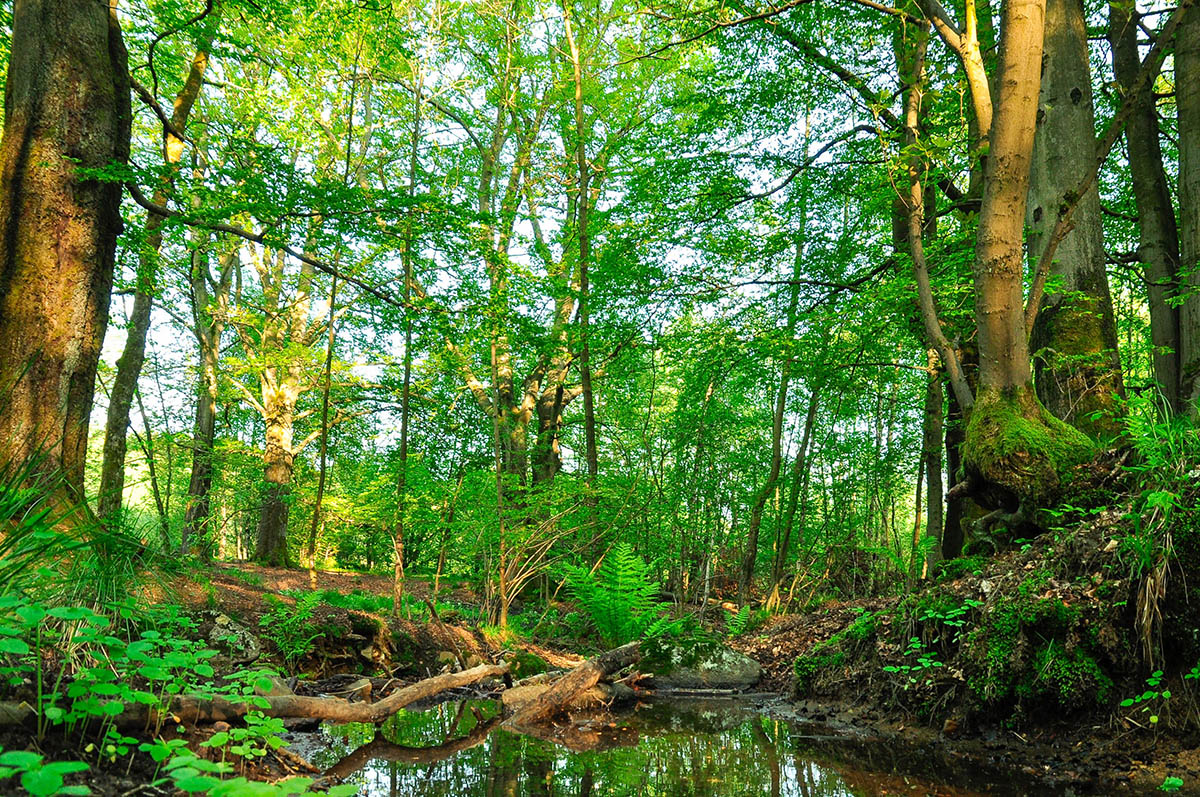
(66,107)
(1158,247)
(1074,339)
(129,366)
(1187,100)
(271,547)
(1013,446)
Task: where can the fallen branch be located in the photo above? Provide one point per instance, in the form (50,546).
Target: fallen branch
(193,710)
(566,690)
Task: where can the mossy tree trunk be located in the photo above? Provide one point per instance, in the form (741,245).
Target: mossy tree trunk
(1074,340)
(1013,445)
(66,108)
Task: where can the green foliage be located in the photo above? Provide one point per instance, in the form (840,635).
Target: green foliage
(620,598)
(39,777)
(1153,700)
(920,671)
(289,627)
(1171,783)
(737,623)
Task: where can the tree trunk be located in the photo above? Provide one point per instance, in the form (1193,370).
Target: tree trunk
(1074,340)
(1158,247)
(66,107)
(1014,447)
(799,478)
(209,327)
(129,366)
(271,547)
(931,450)
(1187,100)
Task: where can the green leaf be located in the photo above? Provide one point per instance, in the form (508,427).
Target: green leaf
(21,759)
(42,782)
(14,646)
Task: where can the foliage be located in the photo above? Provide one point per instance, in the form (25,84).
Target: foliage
(289,627)
(620,597)
(39,777)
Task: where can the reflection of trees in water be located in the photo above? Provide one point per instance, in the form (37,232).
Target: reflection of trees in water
(717,751)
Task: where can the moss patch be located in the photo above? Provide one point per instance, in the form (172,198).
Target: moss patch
(1012,441)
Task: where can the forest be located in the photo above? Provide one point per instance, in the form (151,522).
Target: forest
(791,397)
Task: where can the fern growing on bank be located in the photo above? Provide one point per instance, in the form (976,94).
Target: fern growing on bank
(620,597)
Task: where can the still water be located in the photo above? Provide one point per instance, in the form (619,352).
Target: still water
(665,748)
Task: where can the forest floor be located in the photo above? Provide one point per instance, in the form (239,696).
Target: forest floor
(1028,654)
(934,711)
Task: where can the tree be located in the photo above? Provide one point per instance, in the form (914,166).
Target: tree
(1074,339)
(61,219)
(129,367)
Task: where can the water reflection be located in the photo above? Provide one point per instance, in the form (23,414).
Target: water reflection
(689,748)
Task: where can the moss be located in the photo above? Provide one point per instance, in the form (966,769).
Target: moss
(864,627)
(525,664)
(1067,679)
(1013,442)
(1020,652)
(951,569)
(807,668)
(1074,340)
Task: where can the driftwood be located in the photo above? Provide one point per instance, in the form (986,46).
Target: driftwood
(192,710)
(564,692)
(382,749)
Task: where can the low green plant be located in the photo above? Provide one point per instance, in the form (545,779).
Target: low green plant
(1171,783)
(38,776)
(920,673)
(620,597)
(289,629)
(1153,700)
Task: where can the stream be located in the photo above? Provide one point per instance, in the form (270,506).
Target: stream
(678,747)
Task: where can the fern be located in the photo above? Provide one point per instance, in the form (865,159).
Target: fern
(737,624)
(620,598)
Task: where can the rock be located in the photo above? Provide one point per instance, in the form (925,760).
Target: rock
(234,639)
(704,667)
(278,688)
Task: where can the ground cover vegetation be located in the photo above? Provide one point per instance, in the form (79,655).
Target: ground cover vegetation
(460,339)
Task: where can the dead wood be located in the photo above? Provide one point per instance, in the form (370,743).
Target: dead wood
(561,695)
(193,710)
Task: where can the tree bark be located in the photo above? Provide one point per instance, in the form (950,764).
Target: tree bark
(129,366)
(931,451)
(1074,340)
(1015,450)
(66,107)
(1158,247)
(1187,101)
(209,326)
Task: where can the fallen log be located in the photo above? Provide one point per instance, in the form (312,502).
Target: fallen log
(193,710)
(564,692)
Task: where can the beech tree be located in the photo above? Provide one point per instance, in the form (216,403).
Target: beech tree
(61,218)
